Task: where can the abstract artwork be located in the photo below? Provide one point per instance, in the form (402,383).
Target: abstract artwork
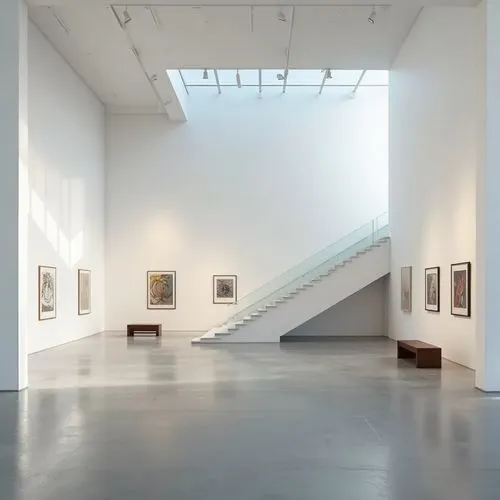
(83,291)
(46,292)
(161,290)
(406,289)
(224,289)
(432,291)
(460,289)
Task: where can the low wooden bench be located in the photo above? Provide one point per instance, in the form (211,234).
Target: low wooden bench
(427,355)
(144,328)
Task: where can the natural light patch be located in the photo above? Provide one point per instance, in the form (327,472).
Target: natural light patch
(260,79)
(76,249)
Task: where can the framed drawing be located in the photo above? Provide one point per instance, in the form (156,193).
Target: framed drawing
(406,289)
(46,292)
(432,289)
(83,291)
(224,289)
(460,289)
(161,289)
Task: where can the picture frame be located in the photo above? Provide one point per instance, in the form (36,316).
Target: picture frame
(47,292)
(460,290)
(161,289)
(406,273)
(225,288)
(84,292)
(432,285)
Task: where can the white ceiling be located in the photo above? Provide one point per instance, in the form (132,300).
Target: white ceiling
(91,39)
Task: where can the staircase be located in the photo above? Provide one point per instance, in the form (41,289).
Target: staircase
(308,289)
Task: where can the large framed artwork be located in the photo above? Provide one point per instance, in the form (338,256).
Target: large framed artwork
(460,289)
(432,289)
(83,291)
(225,289)
(161,289)
(46,292)
(406,289)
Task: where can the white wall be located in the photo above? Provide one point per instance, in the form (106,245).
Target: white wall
(66,176)
(361,314)
(247,186)
(434,144)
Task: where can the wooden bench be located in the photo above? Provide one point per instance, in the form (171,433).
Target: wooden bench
(427,355)
(144,328)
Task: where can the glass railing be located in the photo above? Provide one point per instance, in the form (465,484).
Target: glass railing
(313,267)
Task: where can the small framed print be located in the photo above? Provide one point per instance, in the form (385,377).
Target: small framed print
(47,292)
(161,289)
(83,291)
(460,289)
(432,289)
(224,289)
(406,289)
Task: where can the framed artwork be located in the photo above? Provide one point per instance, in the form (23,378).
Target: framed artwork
(225,289)
(460,289)
(432,289)
(46,292)
(406,289)
(161,289)
(83,291)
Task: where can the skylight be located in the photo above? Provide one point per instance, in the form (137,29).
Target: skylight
(262,78)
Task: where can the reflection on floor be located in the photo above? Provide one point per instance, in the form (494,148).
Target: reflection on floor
(112,418)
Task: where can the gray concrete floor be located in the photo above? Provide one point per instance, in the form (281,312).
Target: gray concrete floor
(108,418)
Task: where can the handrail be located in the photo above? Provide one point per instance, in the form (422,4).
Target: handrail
(347,246)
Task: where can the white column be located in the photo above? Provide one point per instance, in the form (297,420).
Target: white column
(488,212)
(13,193)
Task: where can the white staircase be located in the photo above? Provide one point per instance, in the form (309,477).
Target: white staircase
(307,290)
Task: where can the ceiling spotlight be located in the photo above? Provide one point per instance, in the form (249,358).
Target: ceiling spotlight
(281,16)
(205,74)
(238,79)
(126,17)
(282,76)
(372,17)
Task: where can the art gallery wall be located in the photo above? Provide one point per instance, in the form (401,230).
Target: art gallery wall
(434,143)
(248,186)
(66,176)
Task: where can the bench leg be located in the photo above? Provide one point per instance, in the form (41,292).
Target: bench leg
(130,332)
(429,359)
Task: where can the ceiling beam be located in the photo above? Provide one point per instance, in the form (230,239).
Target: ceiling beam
(358,83)
(216,74)
(325,76)
(183,82)
(289,48)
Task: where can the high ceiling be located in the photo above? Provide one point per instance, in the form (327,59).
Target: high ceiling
(122,51)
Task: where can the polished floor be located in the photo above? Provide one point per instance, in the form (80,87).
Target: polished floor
(108,418)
